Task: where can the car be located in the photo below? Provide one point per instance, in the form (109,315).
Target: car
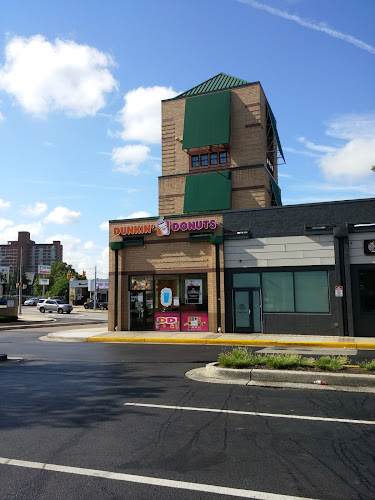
(54,305)
(3,300)
(31,302)
(99,305)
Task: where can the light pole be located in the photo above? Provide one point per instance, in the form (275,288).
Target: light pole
(20,287)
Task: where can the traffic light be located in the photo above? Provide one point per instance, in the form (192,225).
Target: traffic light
(83,274)
(69,275)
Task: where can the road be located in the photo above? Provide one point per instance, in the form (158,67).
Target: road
(74,415)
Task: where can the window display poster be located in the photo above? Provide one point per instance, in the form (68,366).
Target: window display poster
(194,322)
(167,322)
(4,275)
(193,291)
(166,297)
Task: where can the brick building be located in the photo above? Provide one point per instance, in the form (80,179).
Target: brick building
(224,253)
(33,254)
(220,151)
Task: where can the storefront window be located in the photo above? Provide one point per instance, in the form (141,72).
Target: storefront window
(367,291)
(278,292)
(194,295)
(167,296)
(311,291)
(246,280)
(140,282)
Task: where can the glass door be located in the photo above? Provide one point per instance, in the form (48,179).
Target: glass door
(247,310)
(141,310)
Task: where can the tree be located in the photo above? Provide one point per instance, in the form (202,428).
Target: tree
(58,281)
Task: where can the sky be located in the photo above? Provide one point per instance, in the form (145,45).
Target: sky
(80,90)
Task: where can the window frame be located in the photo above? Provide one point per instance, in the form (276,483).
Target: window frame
(207,161)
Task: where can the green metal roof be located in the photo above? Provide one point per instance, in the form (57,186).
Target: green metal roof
(214,84)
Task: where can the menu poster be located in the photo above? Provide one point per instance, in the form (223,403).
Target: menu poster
(193,291)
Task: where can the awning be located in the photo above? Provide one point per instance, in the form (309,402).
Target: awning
(207,192)
(207,120)
(273,121)
(276,191)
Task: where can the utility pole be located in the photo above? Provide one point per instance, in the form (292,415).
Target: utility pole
(20,287)
(95,290)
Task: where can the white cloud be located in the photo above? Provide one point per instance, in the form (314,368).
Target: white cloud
(317,26)
(141,114)
(1,117)
(5,223)
(352,126)
(62,215)
(138,215)
(34,210)
(4,204)
(315,147)
(129,158)
(90,245)
(83,260)
(104,226)
(351,162)
(63,75)
(9,232)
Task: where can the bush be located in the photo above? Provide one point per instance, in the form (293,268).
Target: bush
(331,363)
(368,365)
(241,357)
(8,319)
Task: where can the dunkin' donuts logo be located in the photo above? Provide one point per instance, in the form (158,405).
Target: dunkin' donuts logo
(164,227)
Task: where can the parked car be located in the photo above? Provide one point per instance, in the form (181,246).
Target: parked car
(31,302)
(3,300)
(54,305)
(99,305)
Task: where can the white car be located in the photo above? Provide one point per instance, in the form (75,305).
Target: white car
(54,305)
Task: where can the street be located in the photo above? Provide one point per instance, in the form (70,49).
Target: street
(73,427)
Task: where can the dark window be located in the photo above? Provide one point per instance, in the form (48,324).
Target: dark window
(367,291)
(204,160)
(213,159)
(208,159)
(195,161)
(223,157)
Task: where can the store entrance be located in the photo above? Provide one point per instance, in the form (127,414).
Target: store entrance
(247,310)
(141,310)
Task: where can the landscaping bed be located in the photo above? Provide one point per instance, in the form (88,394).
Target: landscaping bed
(243,358)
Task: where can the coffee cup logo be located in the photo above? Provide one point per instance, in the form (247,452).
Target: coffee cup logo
(163,227)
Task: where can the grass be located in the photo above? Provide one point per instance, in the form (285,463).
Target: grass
(7,319)
(242,357)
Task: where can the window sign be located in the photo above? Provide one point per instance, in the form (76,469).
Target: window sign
(193,291)
(194,322)
(167,321)
(4,275)
(339,291)
(166,297)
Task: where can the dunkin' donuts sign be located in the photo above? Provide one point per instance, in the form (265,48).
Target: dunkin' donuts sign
(164,227)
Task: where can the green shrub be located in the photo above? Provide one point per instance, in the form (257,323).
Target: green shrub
(8,319)
(240,357)
(368,365)
(331,363)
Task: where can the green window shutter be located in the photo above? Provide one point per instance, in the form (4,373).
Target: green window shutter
(207,120)
(207,192)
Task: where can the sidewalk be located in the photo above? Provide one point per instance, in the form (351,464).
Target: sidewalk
(209,338)
(101,334)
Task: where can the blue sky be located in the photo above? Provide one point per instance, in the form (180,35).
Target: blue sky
(80,90)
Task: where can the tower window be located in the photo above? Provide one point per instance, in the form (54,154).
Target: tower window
(205,160)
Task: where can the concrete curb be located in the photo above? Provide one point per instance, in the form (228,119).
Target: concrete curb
(50,324)
(347,382)
(158,340)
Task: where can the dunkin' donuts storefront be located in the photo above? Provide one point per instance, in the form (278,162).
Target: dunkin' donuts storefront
(166,274)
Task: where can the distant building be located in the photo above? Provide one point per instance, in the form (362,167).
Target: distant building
(33,254)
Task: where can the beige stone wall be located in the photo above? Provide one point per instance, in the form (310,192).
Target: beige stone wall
(171,195)
(172,254)
(174,159)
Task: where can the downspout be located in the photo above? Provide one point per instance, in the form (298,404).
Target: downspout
(116,288)
(217,240)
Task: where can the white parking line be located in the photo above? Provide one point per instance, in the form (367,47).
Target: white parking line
(255,413)
(167,483)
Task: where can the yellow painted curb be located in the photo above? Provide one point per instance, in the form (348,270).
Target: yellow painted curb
(365,346)
(348,345)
